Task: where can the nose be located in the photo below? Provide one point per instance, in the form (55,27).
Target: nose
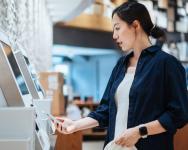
(115,36)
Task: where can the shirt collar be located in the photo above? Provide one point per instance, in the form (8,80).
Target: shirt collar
(151,49)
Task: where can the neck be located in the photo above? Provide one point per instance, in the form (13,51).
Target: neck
(143,43)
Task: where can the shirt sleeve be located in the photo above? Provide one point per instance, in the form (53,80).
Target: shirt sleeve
(176,114)
(101,114)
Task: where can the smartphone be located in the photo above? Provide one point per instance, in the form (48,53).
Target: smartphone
(53,118)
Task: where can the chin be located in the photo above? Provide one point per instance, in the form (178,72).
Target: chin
(124,49)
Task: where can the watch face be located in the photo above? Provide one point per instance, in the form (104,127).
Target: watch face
(143,131)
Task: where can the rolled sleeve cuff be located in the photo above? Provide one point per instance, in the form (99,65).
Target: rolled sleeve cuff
(98,118)
(167,123)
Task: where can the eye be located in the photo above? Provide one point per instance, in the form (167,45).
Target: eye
(117,28)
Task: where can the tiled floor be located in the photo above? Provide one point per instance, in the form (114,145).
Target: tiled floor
(93,145)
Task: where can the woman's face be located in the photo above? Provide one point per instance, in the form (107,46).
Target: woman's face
(123,33)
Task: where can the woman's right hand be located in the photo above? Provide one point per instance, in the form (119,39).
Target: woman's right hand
(67,126)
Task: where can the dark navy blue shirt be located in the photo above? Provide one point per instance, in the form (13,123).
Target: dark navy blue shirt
(158,92)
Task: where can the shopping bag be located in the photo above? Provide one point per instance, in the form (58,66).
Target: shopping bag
(112,146)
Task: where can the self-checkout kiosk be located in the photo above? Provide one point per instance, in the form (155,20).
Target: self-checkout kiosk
(21,126)
(40,102)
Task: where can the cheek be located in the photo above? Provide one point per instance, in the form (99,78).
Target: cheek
(127,34)
(128,41)
(128,38)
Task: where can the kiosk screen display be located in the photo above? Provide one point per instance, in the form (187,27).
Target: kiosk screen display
(15,68)
(33,75)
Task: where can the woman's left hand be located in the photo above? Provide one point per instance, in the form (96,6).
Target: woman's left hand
(129,138)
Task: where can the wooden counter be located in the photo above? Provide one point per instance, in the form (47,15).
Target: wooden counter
(69,142)
(181,139)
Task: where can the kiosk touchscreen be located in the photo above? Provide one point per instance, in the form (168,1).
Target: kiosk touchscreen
(10,90)
(29,77)
(35,77)
(25,95)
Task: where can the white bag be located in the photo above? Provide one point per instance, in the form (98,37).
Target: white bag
(113,146)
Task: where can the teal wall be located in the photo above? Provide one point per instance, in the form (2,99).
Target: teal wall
(89,75)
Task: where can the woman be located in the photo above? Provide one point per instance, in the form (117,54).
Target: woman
(145,100)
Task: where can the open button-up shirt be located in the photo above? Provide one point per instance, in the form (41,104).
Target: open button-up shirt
(158,92)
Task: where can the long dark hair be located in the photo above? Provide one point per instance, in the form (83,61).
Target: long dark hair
(131,11)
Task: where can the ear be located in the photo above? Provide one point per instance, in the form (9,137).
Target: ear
(136,24)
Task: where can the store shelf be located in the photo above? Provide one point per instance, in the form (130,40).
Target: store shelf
(90,105)
(89,134)
(184,61)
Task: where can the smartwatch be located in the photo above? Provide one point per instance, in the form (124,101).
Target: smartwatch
(143,131)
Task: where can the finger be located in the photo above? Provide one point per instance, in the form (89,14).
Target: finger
(58,130)
(63,128)
(119,141)
(59,127)
(125,143)
(128,143)
(122,142)
(56,125)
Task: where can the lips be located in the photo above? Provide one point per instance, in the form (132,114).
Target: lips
(120,43)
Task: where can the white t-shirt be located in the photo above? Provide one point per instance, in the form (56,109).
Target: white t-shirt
(122,102)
